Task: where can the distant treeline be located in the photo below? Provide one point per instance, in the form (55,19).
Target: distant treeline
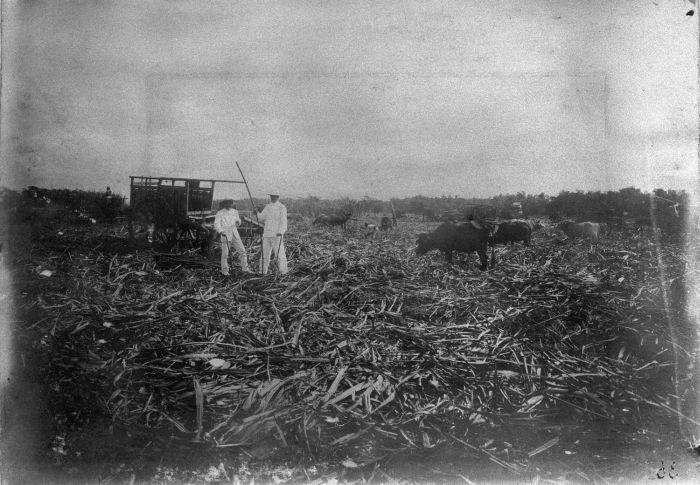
(667,209)
(593,206)
(630,203)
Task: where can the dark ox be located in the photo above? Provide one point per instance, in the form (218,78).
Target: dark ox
(385,223)
(512,232)
(581,229)
(336,220)
(463,237)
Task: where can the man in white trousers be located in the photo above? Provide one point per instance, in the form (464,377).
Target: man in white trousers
(274,216)
(226,225)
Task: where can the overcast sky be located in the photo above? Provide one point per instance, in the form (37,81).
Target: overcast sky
(346,98)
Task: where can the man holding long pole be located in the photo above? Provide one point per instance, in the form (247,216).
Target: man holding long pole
(274,216)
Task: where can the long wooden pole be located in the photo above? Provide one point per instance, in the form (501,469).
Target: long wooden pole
(255,211)
(252,204)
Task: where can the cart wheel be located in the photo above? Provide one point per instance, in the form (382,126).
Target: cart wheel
(191,235)
(208,241)
(153,225)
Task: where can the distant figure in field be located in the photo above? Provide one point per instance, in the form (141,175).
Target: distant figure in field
(536,225)
(108,193)
(428,214)
(371,230)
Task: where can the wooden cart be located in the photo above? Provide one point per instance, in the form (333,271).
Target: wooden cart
(177,213)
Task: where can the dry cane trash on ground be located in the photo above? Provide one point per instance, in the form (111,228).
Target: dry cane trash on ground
(364,350)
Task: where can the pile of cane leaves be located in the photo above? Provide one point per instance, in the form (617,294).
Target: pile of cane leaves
(364,350)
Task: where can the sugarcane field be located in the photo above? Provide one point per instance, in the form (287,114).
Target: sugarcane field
(566,360)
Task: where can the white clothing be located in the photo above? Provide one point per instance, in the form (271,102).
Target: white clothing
(274,216)
(237,244)
(227,222)
(272,244)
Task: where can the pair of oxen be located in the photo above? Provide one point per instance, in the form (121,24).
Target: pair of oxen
(476,236)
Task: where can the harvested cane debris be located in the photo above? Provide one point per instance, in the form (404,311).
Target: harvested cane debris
(365,350)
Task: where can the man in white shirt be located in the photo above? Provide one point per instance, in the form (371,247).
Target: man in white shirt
(226,225)
(274,216)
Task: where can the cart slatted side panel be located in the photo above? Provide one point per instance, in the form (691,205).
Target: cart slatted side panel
(166,198)
(201,195)
(175,198)
(142,189)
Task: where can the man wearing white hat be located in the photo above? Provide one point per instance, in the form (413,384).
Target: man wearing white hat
(226,225)
(274,216)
